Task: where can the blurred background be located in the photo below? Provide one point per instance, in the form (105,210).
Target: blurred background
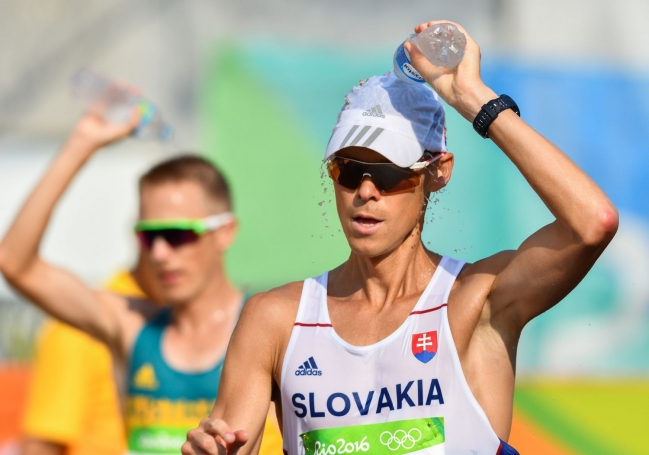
(257,86)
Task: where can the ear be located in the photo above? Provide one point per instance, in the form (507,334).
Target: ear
(226,235)
(439,173)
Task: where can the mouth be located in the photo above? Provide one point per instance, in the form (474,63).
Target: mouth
(366,224)
(169,278)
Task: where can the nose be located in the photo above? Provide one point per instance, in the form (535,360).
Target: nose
(160,249)
(368,190)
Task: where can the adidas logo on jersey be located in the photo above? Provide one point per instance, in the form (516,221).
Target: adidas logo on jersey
(374,112)
(308,368)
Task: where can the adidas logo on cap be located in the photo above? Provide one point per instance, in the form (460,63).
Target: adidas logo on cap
(374,112)
(308,368)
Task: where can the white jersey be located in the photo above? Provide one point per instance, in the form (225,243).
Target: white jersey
(405,394)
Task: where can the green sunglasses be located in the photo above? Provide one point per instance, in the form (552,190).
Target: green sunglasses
(179,231)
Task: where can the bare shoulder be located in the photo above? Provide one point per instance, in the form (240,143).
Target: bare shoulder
(469,309)
(483,271)
(269,315)
(131,315)
(276,308)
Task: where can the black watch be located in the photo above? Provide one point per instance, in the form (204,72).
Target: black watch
(490,111)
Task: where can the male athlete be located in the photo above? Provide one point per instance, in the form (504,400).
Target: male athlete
(400,350)
(72,405)
(169,360)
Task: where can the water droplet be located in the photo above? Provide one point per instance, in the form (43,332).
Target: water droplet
(320,203)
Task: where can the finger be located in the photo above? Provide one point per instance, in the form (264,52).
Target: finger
(217,427)
(190,449)
(241,438)
(200,443)
(422,64)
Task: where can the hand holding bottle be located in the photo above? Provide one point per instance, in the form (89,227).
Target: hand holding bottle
(115,102)
(461,87)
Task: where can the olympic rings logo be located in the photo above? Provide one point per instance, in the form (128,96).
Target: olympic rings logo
(400,439)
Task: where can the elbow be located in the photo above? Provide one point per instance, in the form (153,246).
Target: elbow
(8,268)
(602,226)
(4,263)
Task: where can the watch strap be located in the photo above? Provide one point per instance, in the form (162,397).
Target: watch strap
(490,111)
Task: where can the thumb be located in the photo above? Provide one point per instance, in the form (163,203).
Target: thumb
(417,59)
(427,70)
(240,439)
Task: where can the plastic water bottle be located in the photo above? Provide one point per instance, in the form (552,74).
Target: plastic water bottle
(442,44)
(115,103)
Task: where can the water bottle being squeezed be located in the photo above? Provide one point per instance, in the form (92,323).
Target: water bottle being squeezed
(442,44)
(114,103)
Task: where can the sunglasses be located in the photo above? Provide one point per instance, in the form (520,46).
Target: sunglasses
(388,178)
(177,232)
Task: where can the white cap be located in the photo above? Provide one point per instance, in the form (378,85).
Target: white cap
(394,118)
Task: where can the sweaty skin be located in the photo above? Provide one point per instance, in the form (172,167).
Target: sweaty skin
(371,294)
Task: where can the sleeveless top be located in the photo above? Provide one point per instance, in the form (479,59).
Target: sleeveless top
(162,403)
(405,394)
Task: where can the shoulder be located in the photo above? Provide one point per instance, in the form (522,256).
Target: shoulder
(276,307)
(269,317)
(485,270)
(474,284)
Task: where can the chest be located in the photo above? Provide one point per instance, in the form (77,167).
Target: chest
(360,324)
(194,351)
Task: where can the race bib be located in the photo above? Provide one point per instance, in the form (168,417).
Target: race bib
(421,436)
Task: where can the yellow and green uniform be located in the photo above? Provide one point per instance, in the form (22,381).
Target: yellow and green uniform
(164,403)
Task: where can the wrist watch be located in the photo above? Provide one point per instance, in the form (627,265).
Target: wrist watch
(490,111)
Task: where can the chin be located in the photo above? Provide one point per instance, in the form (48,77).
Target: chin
(369,248)
(176,295)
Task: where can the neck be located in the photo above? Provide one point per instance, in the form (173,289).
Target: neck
(381,280)
(219,302)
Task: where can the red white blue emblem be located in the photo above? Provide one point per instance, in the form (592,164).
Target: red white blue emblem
(424,346)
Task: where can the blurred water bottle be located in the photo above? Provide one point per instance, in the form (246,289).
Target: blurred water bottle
(442,44)
(114,103)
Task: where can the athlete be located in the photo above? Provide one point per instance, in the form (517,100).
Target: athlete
(168,361)
(401,350)
(72,402)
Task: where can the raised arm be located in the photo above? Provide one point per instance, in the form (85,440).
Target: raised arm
(57,291)
(553,260)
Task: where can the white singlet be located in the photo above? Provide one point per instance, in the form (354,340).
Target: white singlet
(405,394)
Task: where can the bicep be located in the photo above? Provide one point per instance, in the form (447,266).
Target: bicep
(541,272)
(64,296)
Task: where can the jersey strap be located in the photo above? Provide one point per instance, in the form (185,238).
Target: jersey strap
(506,449)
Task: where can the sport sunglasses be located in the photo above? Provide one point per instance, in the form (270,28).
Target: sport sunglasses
(387,177)
(177,232)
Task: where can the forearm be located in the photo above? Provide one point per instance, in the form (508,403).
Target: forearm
(20,245)
(568,192)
